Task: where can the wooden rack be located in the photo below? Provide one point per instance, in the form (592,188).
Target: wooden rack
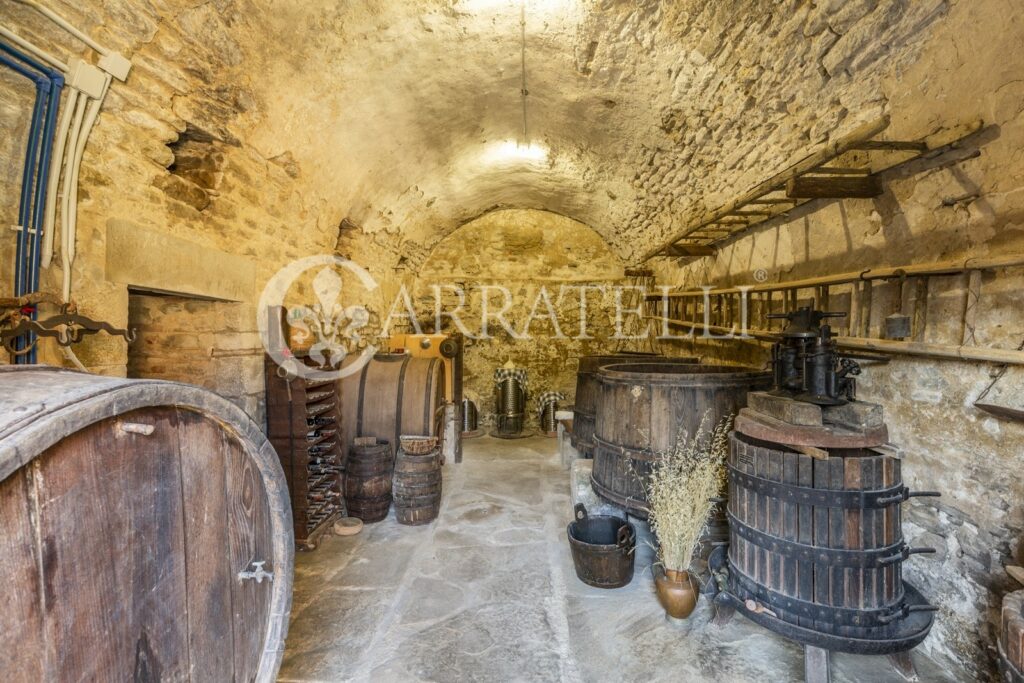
(304,426)
(719,311)
(858,159)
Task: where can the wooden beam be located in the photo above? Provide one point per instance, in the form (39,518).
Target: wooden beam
(837,170)
(689,250)
(752,212)
(773,200)
(823,155)
(833,187)
(953,267)
(891,145)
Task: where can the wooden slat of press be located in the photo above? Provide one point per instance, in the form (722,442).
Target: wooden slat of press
(735,508)
(747,512)
(822,576)
(207,572)
(897,531)
(248,541)
(888,573)
(871,479)
(837,531)
(805,570)
(854,578)
(130,618)
(22,650)
(775,521)
(762,575)
(790,523)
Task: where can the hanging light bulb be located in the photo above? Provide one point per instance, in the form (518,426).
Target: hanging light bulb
(512,151)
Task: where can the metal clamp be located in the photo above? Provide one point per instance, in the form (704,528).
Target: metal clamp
(258,573)
(906,494)
(905,553)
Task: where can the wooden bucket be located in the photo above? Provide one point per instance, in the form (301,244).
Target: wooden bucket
(139,517)
(368,481)
(394,394)
(585,402)
(643,408)
(417,487)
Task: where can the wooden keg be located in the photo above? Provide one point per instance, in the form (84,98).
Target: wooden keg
(818,543)
(643,408)
(393,394)
(585,403)
(1011,639)
(417,487)
(368,481)
(141,521)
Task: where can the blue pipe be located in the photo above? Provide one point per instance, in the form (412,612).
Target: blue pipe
(49,84)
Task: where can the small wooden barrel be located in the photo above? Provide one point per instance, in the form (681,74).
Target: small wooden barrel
(417,487)
(146,533)
(585,402)
(818,542)
(643,408)
(368,481)
(1011,639)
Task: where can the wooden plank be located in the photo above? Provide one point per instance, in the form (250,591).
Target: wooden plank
(683,250)
(837,533)
(833,187)
(805,535)
(23,654)
(790,523)
(127,624)
(853,578)
(920,308)
(207,571)
(972,296)
(249,540)
(761,517)
(775,523)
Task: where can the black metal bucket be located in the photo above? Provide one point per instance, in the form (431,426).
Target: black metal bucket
(602,549)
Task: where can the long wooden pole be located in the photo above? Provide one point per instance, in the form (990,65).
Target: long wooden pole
(886,346)
(953,267)
(830,151)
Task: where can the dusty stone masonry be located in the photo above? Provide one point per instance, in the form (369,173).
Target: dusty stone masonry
(524,251)
(172,153)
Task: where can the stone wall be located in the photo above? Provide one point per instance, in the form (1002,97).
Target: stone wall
(524,251)
(172,157)
(212,344)
(931,212)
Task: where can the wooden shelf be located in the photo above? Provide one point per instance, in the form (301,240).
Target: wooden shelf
(311,459)
(856,161)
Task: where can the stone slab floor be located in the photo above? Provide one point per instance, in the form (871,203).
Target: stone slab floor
(488,593)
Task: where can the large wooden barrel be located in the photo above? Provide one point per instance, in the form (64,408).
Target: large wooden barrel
(136,517)
(818,543)
(368,481)
(1011,638)
(417,487)
(643,408)
(585,402)
(393,394)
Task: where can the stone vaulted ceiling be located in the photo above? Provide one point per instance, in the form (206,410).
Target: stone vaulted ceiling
(407,117)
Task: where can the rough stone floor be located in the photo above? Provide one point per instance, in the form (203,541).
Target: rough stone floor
(488,593)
